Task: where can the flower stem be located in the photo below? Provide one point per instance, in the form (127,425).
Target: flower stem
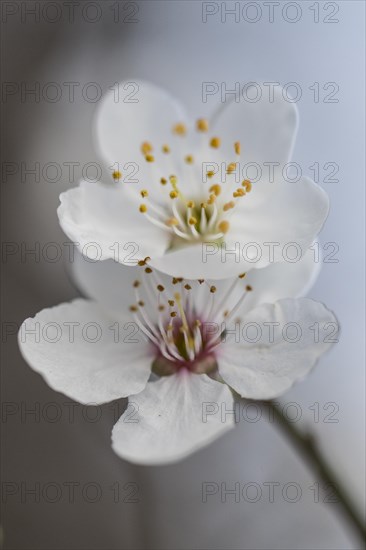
(306,445)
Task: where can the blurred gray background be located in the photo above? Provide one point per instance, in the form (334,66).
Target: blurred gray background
(168,43)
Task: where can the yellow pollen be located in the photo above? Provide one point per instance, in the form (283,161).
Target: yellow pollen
(224,226)
(143,208)
(228,206)
(237,147)
(248,288)
(215,189)
(248,185)
(146,147)
(149,158)
(116,175)
(144,193)
(173,194)
(163,181)
(165,149)
(231,167)
(172,221)
(192,220)
(189,159)
(180,129)
(210,174)
(240,192)
(202,125)
(215,142)
(211,199)
(173,179)
(190,204)
(213,289)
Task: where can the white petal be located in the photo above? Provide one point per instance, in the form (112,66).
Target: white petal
(77,350)
(104,225)
(264,370)
(169,422)
(123,123)
(265,128)
(288,222)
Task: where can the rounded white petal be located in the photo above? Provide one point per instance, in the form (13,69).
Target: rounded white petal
(282,227)
(265,369)
(141,113)
(103,224)
(173,417)
(265,128)
(77,349)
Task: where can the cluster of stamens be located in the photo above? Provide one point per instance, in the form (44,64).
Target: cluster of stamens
(206,218)
(170,320)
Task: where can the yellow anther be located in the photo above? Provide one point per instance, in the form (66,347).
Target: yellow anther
(165,149)
(201,281)
(187,287)
(248,185)
(116,175)
(203,205)
(172,221)
(190,204)
(160,288)
(180,129)
(197,323)
(147,259)
(189,159)
(248,288)
(148,270)
(215,142)
(237,147)
(141,303)
(231,167)
(134,308)
(224,226)
(141,263)
(202,125)
(146,148)
(240,192)
(213,289)
(161,307)
(215,189)
(173,314)
(228,206)
(242,275)
(173,179)
(144,193)
(192,220)
(211,199)
(174,280)
(149,158)
(210,174)
(136,284)
(173,194)
(143,208)
(163,181)
(171,303)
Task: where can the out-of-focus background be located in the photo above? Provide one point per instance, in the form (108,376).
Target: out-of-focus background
(61,450)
